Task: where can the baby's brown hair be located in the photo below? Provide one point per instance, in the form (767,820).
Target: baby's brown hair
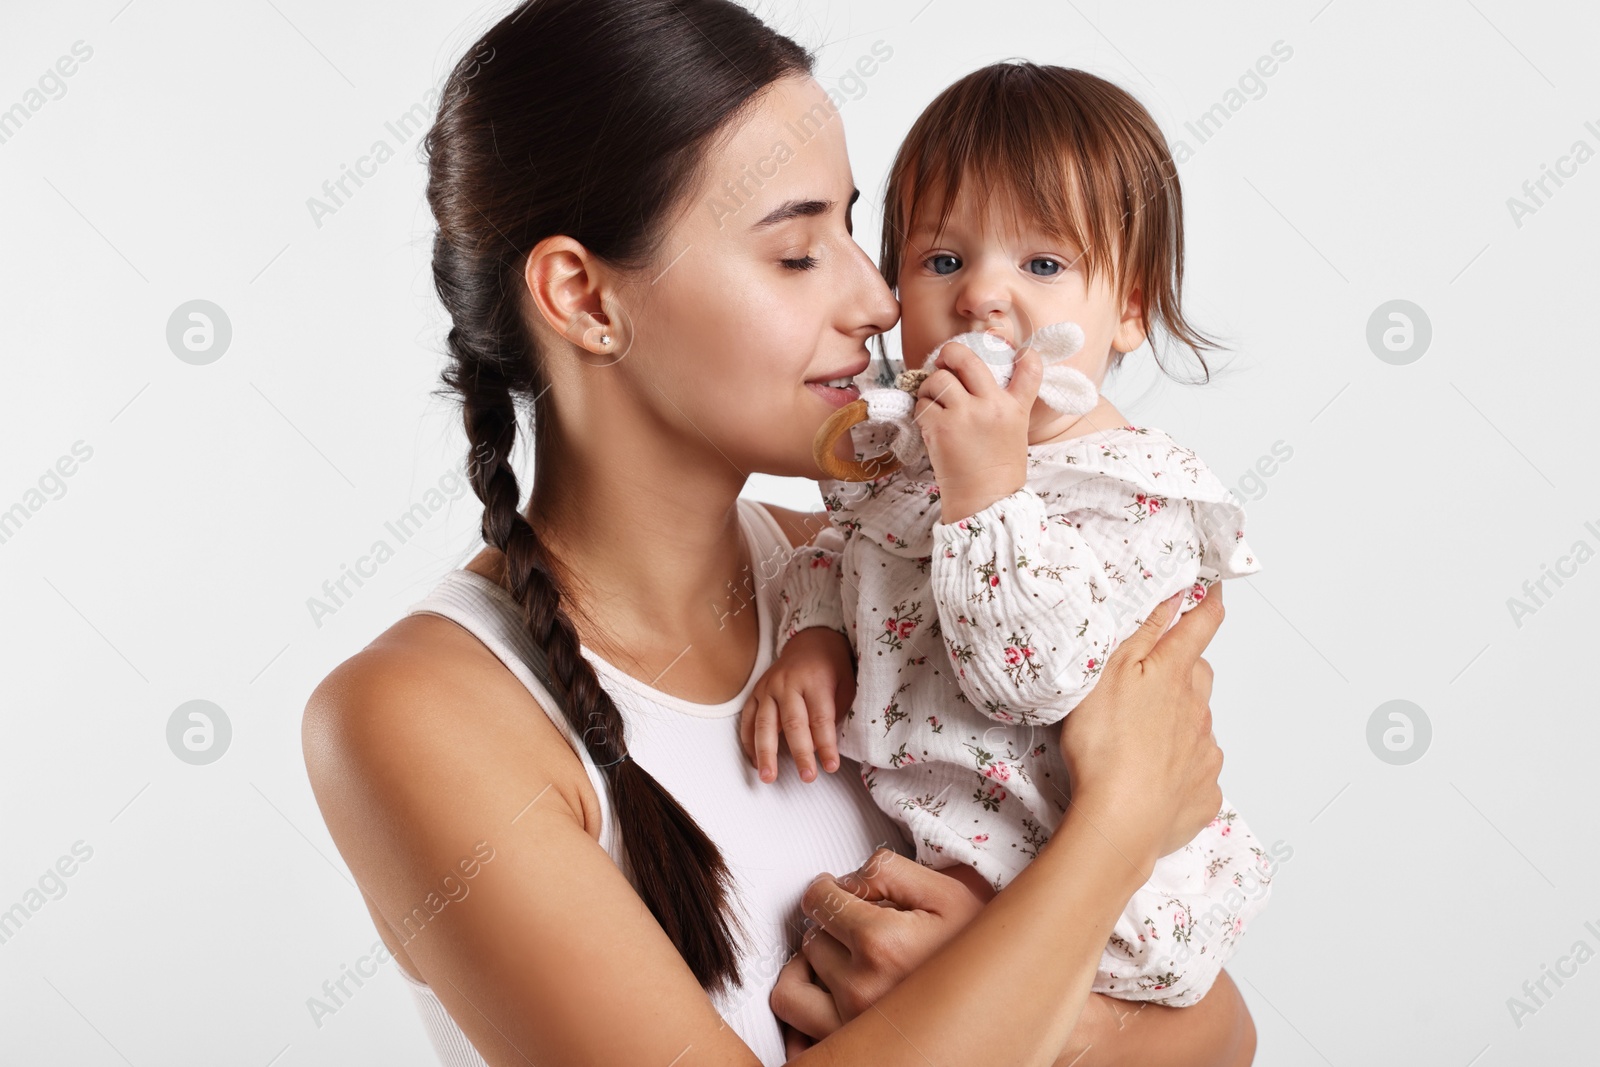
(1070,150)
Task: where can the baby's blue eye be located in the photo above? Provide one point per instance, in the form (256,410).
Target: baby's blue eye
(934,264)
(1054,265)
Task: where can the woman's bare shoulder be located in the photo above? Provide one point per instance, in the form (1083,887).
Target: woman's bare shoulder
(427,697)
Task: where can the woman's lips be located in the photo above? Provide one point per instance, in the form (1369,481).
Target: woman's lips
(836,398)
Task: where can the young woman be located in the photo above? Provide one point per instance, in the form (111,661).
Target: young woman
(643,213)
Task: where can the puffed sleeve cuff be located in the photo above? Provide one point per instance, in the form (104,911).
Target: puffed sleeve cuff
(810,593)
(1007,529)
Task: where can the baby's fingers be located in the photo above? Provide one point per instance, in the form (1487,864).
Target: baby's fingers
(747,729)
(1027,374)
(797,728)
(819,706)
(766,738)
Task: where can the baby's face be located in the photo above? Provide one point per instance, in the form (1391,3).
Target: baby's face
(991,271)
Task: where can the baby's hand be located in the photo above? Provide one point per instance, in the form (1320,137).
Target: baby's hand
(810,686)
(976,430)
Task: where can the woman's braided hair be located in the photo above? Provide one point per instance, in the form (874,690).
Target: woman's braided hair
(589,118)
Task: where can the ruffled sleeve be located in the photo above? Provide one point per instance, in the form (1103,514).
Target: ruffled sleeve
(1022,610)
(1035,591)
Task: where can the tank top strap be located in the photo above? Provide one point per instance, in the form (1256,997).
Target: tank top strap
(484,609)
(767,535)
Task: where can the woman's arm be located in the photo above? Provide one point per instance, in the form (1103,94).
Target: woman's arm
(1217,1032)
(926,908)
(547,954)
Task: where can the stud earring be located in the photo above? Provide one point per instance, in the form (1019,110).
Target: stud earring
(605,340)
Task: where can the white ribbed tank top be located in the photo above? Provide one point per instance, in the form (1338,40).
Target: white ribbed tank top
(775,837)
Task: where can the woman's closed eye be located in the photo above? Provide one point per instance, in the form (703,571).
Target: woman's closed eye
(803,263)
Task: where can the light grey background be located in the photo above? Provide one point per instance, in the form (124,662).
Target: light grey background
(1375,164)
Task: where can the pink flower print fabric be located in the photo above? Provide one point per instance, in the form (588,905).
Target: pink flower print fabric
(975,638)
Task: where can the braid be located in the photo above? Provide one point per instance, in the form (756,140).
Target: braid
(665,847)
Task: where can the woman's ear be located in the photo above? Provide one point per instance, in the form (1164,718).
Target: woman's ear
(1130,333)
(566,281)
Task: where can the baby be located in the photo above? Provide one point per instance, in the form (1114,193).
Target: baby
(982,586)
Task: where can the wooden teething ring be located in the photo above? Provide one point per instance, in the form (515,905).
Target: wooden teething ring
(837,426)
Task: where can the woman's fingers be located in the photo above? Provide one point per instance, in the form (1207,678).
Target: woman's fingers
(794,1042)
(1150,719)
(837,910)
(1137,645)
(1192,633)
(877,924)
(872,927)
(799,1001)
(847,906)
(1185,639)
(905,883)
(856,981)
(1201,679)
(830,961)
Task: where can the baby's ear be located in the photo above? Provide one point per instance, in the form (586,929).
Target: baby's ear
(1130,331)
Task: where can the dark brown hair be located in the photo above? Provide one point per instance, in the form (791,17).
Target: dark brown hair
(592,119)
(1068,150)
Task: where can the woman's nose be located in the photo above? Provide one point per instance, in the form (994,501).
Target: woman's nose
(878,308)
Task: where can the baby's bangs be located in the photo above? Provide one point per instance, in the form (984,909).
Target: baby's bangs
(1042,163)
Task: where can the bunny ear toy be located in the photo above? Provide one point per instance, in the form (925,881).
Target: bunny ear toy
(1064,388)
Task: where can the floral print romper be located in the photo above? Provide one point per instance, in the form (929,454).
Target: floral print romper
(974,638)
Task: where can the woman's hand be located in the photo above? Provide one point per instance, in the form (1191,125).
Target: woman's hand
(1140,755)
(830,982)
(859,953)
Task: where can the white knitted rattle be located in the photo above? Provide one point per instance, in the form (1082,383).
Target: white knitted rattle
(1065,389)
